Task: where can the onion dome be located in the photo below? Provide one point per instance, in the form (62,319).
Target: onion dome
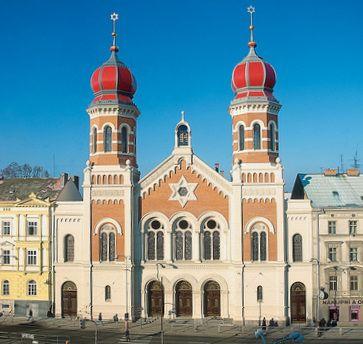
(253,77)
(113,82)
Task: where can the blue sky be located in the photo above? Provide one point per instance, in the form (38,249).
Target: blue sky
(182,54)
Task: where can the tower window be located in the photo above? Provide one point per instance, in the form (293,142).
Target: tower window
(107,139)
(297,248)
(124,140)
(272,137)
(183,135)
(94,140)
(259,294)
(241,137)
(256,136)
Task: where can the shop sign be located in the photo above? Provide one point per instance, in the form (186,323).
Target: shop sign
(343,302)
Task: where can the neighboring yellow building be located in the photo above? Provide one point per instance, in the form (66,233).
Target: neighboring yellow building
(26,208)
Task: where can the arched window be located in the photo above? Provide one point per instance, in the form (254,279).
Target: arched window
(107,243)
(211,240)
(254,246)
(259,242)
(69,248)
(263,246)
(94,140)
(155,240)
(112,246)
(5,288)
(183,135)
(259,293)
(124,140)
(297,248)
(271,131)
(183,240)
(107,293)
(107,138)
(256,136)
(103,247)
(32,288)
(241,137)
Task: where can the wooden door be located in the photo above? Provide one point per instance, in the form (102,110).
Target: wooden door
(69,299)
(156,299)
(298,302)
(184,299)
(212,299)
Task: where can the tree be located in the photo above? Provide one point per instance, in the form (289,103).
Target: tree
(14,170)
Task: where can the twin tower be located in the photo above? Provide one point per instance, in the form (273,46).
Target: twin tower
(182,240)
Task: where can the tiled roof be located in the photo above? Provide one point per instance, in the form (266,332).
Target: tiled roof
(13,189)
(335,191)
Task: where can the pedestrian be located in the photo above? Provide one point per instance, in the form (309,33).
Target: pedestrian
(115,318)
(30,315)
(100,317)
(264,324)
(271,323)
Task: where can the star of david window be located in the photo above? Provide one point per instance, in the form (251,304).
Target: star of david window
(183,191)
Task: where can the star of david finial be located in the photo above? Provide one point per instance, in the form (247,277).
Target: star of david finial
(251,10)
(114,18)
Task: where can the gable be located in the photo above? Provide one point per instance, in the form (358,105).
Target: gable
(184,187)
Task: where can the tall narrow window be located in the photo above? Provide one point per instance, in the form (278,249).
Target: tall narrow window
(354,283)
(332,228)
(103,247)
(207,246)
(353,224)
(112,248)
(6,257)
(241,137)
(124,140)
(259,294)
(179,245)
(69,248)
(107,293)
(160,246)
(272,143)
(333,283)
(188,245)
(353,254)
(263,246)
(32,257)
(256,136)
(216,245)
(254,244)
(297,248)
(5,287)
(94,140)
(6,227)
(332,254)
(32,228)
(183,135)
(107,138)
(151,246)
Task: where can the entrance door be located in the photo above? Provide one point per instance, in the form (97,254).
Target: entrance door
(212,299)
(155,299)
(184,299)
(69,299)
(298,302)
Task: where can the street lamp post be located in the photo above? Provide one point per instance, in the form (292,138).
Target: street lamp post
(318,289)
(160,279)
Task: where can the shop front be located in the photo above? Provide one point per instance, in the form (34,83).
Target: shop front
(345,311)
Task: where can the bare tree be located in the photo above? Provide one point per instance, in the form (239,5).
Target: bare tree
(14,170)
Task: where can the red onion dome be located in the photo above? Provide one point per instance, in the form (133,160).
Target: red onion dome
(253,77)
(113,82)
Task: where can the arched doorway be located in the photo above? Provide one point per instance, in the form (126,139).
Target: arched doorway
(212,299)
(155,292)
(69,299)
(183,299)
(298,302)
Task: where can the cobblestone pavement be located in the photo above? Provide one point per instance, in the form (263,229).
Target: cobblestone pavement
(59,330)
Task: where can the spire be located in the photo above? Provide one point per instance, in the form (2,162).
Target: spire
(182,116)
(251,11)
(114,18)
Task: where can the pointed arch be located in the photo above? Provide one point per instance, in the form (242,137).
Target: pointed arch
(107,139)
(256,136)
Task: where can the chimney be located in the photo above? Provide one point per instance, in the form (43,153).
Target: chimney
(330,172)
(353,172)
(216,167)
(64,179)
(75,180)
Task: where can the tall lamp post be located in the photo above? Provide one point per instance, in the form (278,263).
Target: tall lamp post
(160,279)
(317,315)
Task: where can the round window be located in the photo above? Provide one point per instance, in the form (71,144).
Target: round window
(183,224)
(183,191)
(211,224)
(155,224)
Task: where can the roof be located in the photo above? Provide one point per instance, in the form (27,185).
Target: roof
(334,191)
(20,189)
(70,193)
